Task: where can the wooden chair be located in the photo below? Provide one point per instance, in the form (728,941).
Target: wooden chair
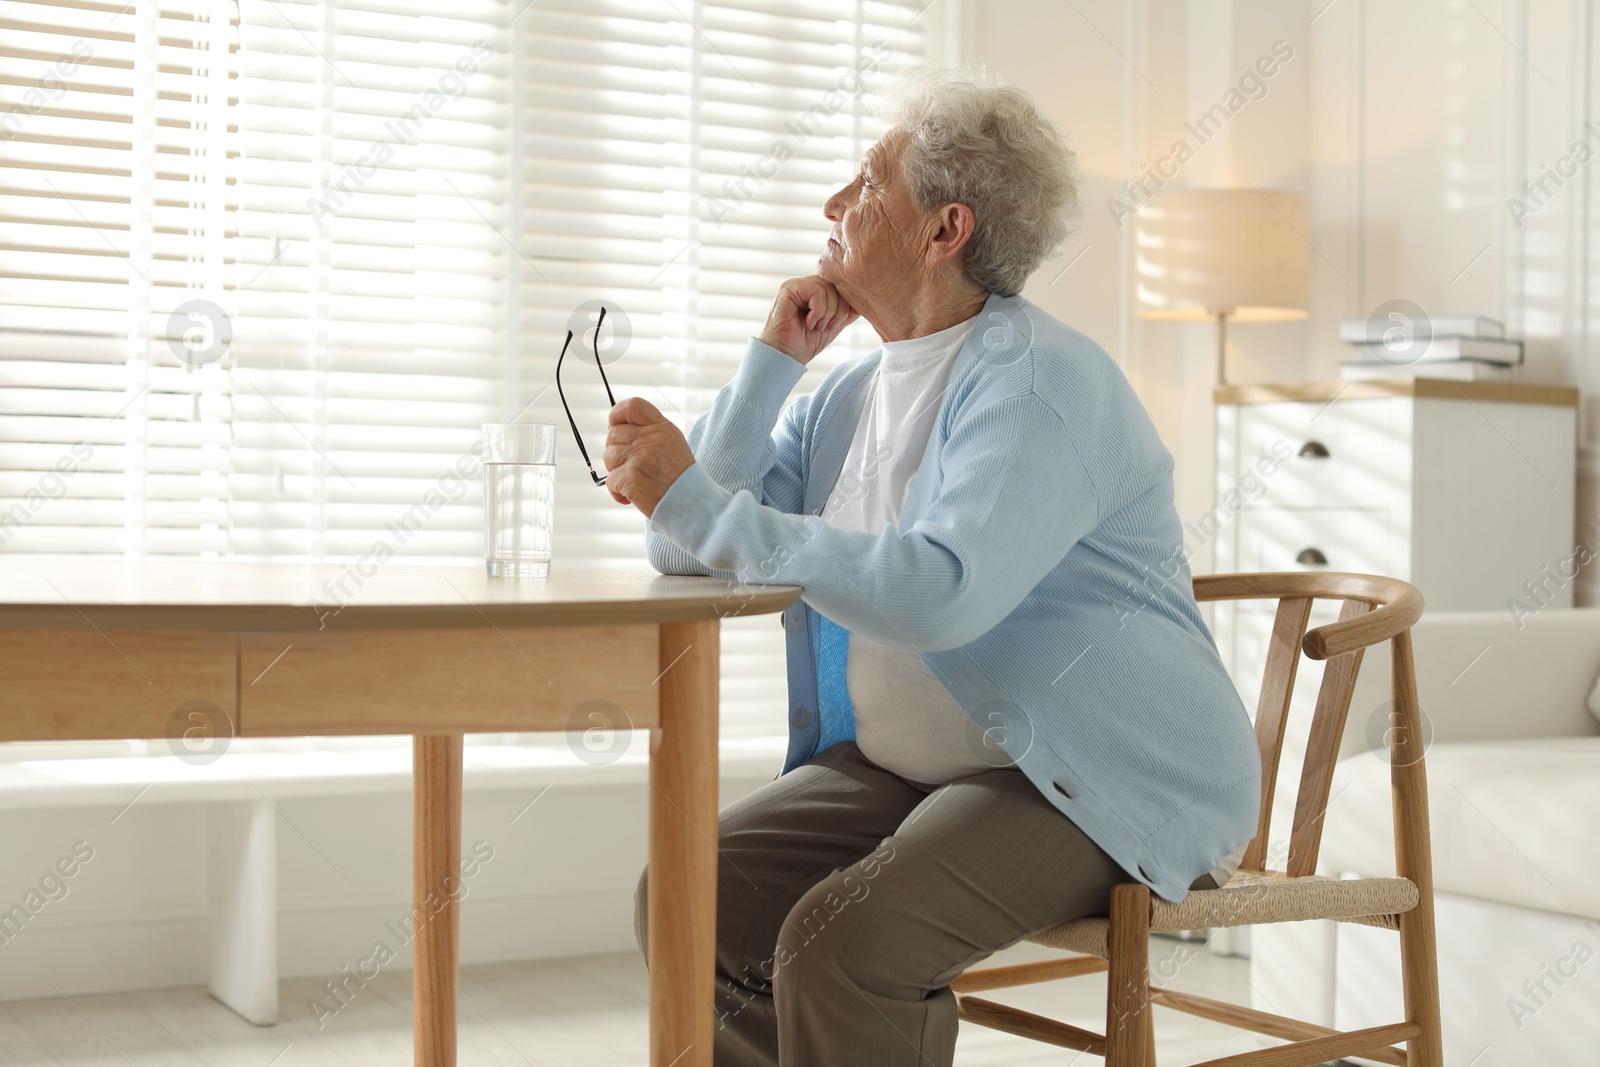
(1374,609)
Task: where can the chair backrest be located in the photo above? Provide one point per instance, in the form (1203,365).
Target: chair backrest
(1374,609)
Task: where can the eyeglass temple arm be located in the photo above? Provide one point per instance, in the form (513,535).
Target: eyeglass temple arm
(576,436)
(598,323)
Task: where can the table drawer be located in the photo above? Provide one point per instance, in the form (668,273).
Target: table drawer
(62,685)
(1291,539)
(1351,453)
(461,679)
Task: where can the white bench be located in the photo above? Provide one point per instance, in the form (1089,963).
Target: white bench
(240,790)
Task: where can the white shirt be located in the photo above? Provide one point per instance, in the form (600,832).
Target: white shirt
(906,722)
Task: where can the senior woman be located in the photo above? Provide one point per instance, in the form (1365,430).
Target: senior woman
(1004,700)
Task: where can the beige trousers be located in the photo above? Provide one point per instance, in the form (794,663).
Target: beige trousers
(849,898)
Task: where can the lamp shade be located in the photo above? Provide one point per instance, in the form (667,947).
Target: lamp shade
(1239,251)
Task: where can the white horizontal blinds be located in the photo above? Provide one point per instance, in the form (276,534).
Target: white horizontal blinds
(784,118)
(606,103)
(371,326)
(114,193)
(783,125)
(678,158)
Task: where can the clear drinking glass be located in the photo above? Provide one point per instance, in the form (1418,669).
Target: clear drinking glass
(519,496)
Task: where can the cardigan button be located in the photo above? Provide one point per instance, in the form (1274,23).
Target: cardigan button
(800,718)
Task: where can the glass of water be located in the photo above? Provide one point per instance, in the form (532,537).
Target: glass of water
(519,497)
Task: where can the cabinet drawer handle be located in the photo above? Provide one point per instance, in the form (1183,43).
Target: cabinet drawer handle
(1311,555)
(1313,450)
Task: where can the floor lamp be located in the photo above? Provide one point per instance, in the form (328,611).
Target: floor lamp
(1223,256)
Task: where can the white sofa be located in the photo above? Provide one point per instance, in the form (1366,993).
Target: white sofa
(1514,792)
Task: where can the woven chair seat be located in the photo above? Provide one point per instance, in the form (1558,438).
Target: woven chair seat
(1251,899)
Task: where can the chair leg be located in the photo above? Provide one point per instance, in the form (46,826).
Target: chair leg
(1413,858)
(1129,1038)
(1419,968)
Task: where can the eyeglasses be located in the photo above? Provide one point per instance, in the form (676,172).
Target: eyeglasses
(599,479)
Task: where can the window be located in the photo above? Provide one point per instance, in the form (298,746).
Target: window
(266,266)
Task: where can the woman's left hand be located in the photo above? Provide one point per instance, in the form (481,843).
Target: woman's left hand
(644,454)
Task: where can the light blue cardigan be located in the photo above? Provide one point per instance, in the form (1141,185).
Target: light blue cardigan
(1038,569)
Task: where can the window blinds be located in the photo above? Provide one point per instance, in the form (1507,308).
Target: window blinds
(391,212)
(369,339)
(114,203)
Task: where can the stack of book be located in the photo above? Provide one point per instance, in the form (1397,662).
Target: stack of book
(1462,347)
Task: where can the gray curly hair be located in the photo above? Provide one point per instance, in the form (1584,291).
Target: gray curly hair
(976,142)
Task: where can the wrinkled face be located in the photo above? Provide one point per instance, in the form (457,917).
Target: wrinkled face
(876,244)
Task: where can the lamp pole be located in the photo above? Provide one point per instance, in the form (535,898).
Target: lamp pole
(1222,344)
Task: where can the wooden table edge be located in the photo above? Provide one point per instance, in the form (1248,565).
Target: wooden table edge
(287,618)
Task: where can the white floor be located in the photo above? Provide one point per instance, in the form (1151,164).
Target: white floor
(587,1011)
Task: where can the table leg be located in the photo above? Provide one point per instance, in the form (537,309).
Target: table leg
(435,889)
(683,848)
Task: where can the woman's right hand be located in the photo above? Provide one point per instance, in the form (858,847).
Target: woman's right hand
(807,314)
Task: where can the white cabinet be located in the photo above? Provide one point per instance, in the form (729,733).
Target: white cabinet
(1464,489)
